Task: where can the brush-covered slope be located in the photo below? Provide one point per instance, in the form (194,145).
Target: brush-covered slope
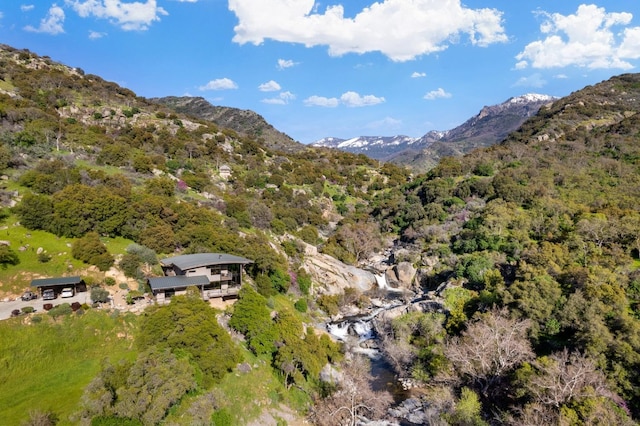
(543,226)
(245,122)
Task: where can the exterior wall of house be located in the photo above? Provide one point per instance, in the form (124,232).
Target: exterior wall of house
(224,274)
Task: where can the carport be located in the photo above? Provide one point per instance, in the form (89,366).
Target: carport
(57,284)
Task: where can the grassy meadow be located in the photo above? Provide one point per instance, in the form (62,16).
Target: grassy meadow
(46,365)
(14,279)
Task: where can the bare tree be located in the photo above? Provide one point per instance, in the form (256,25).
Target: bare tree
(41,418)
(360,239)
(353,399)
(490,347)
(564,376)
(533,415)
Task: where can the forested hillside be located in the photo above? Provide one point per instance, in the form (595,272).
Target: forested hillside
(529,250)
(539,237)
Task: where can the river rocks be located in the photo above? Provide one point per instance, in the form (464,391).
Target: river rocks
(411,410)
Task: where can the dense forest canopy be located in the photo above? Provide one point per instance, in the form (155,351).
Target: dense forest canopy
(533,246)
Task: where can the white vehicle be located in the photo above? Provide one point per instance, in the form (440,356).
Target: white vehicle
(67,292)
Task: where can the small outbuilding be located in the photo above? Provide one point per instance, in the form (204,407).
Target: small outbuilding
(225,171)
(215,274)
(57,284)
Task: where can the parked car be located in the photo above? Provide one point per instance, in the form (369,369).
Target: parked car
(67,292)
(28,295)
(48,294)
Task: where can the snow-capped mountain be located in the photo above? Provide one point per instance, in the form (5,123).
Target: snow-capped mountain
(490,126)
(377,147)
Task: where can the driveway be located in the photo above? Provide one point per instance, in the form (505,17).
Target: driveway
(7,307)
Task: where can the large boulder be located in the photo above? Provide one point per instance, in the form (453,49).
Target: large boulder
(401,275)
(330,276)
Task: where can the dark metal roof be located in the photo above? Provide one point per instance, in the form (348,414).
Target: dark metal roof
(179,281)
(47,282)
(189,261)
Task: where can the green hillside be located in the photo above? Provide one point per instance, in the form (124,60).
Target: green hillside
(529,249)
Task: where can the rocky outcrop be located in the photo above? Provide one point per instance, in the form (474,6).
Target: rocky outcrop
(330,276)
(401,275)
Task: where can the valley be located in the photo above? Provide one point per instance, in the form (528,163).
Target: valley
(497,273)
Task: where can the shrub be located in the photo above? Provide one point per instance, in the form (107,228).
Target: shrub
(301,305)
(90,249)
(329,304)
(304,281)
(99,295)
(60,310)
(28,310)
(222,417)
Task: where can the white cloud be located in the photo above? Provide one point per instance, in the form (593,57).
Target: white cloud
(439,93)
(561,76)
(26,7)
(94,35)
(52,23)
(630,46)
(219,84)
(400,29)
(269,86)
(128,16)
(282,99)
(534,80)
(416,74)
(349,99)
(385,123)
(322,101)
(353,99)
(285,63)
(584,39)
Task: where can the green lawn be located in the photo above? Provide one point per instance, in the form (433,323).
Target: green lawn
(46,366)
(26,243)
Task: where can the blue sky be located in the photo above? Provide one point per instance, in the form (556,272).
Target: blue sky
(341,68)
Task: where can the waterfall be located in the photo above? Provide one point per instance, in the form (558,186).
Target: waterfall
(382,281)
(359,329)
(339,330)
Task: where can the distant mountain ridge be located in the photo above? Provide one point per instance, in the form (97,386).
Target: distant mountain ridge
(490,126)
(244,122)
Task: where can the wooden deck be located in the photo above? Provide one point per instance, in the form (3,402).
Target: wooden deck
(221,292)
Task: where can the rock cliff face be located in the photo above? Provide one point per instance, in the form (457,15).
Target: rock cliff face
(333,276)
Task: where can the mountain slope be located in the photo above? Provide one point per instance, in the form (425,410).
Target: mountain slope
(245,122)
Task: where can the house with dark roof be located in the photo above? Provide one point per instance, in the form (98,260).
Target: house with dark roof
(215,274)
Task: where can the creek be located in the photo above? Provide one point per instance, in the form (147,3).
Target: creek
(359,337)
